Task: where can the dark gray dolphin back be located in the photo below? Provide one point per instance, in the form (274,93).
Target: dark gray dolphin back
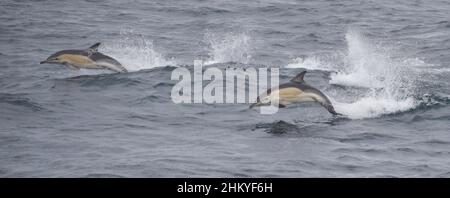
(89,51)
(327,104)
(97,57)
(72,51)
(299,82)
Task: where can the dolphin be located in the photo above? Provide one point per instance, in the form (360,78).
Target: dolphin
(88,58)
(293,92)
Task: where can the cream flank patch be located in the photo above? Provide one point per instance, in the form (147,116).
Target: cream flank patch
(291,95)
(78,61)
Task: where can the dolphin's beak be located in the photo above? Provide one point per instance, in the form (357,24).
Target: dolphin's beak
(49,62)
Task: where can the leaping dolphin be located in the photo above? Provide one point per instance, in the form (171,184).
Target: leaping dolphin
(88,58)
(295,91)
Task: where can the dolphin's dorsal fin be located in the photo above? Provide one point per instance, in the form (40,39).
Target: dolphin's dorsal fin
(94,48)
(299,77)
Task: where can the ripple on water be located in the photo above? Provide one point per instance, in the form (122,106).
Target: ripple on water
(104,80)
(20,100)
(279,127)
(365,151)
(103,175)
(366,137)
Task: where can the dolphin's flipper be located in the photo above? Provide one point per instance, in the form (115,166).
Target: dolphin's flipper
(72,67)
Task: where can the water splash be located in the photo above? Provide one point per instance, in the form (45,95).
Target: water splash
(228,47)
(367,64)
(371,65)
(325,62)
(135,52)
(387,83)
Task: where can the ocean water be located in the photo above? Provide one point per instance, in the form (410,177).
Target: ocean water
(384,64)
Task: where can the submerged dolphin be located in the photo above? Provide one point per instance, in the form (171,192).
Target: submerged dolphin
(295,91)
(88,58)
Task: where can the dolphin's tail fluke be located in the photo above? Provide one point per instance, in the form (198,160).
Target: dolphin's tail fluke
(330,108)
(332,111)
